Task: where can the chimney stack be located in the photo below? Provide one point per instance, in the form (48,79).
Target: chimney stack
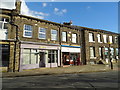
(66,23)
(18,6)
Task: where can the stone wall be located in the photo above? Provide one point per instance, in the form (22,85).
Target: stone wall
(96,44)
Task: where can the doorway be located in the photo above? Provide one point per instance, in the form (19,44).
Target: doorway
(42,59)
(5,51)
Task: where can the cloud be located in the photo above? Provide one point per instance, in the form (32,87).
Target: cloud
(56,9)
(8,4)
(52,0)
(64,10)
(44,4)
(59,12)
(88,7)
(26,11)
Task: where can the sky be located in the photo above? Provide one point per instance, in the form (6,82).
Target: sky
(96,15)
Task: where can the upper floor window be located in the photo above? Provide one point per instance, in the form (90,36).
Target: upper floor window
(3,28)
(64,36)
(53,34)
(110,39)
(74,38)
(116,39)
(42,33)
(99,37)
(3,23)
(91,37)
(27,31)
(105,38)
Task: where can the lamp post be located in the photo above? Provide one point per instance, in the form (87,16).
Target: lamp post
(111,64)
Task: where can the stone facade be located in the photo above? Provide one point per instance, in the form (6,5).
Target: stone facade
(18,42)
(101,44)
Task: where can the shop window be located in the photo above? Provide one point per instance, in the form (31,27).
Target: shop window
(92,52)
(64,36)
(54,35)
(110,39)
(26,56)
(34,56)
(3,28)
(91,37)
(99,38)
(105,38)
(30,56)
(42,33)
(74,38)
(52,56)
(27,31)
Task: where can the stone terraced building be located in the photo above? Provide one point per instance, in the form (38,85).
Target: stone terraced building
(27,42)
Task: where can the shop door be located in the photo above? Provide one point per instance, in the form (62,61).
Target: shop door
(42,59)
(4,55)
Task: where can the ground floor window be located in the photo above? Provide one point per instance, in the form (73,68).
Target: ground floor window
(112,52)
(52,56)
(30,56)
(92,52)
(100,52)
(106,53)
(116,53)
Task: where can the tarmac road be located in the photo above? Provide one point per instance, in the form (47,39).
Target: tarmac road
(86,81)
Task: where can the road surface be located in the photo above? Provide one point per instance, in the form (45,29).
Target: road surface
(85,81)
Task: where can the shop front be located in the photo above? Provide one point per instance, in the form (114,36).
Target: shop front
(70,55)
(37,56)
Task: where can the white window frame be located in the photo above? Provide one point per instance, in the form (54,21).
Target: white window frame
(54,36)
(44,33)
(116,39)
(27,31)
(117,53)
(91,37)
(3,23)
(64,36)
(92,53)
(99,38)
(110,39)
(74,38)
(4,32)
(105,38)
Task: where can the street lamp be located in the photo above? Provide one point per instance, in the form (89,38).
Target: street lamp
(111,64)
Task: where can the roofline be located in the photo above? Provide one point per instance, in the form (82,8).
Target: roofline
(62,25)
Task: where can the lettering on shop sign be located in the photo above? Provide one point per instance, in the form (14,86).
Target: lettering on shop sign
(42,47)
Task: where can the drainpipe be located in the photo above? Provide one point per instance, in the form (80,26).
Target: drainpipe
(83,46)
(16,40)
(60,44)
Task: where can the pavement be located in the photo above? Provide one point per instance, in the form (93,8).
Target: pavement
(62,70)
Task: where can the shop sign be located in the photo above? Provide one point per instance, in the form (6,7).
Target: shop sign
(66,49)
